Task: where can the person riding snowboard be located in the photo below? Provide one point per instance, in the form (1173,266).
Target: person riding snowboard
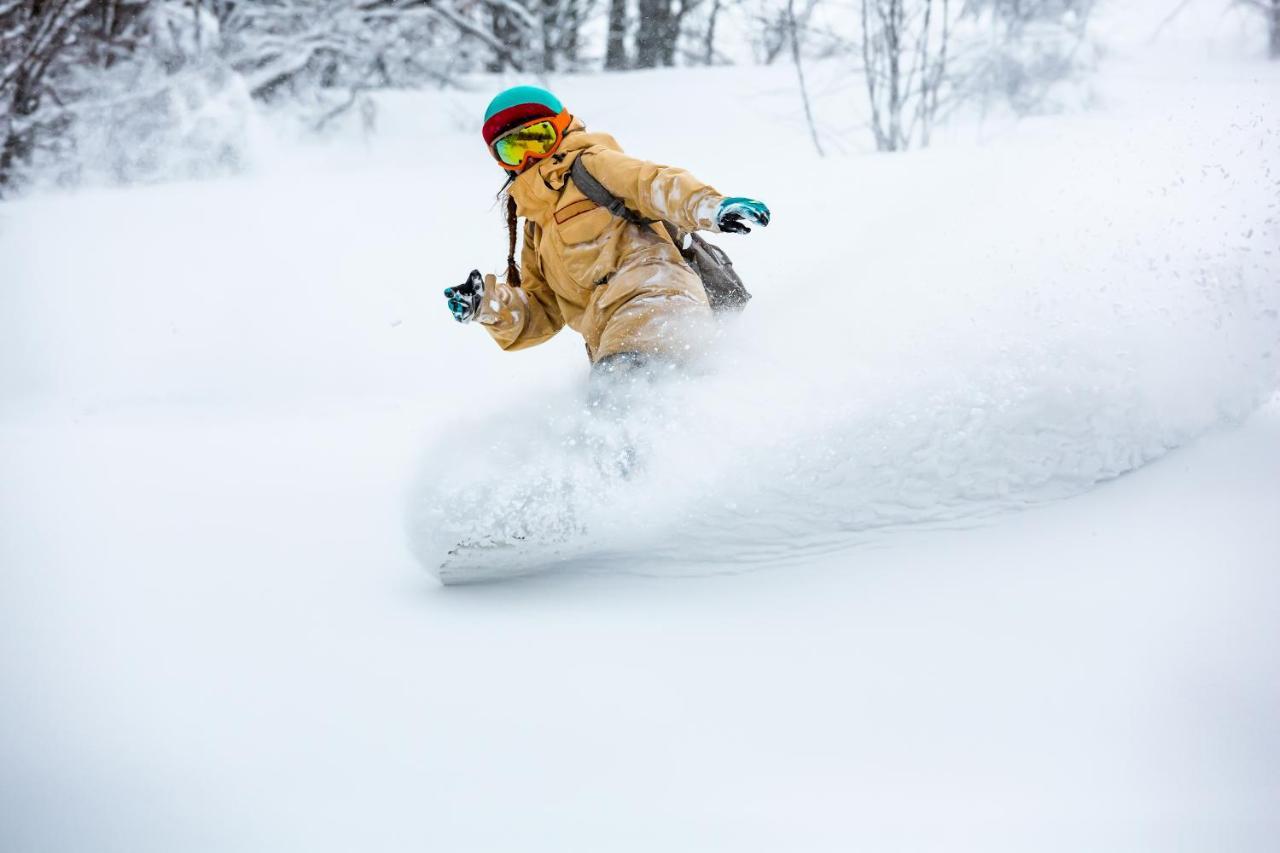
(618,280)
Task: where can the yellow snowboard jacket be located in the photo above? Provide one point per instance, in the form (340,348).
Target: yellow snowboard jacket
(624,287)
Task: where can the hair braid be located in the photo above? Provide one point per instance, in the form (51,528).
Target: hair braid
(513,269)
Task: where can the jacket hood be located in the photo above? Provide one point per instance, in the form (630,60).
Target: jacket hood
(539,188)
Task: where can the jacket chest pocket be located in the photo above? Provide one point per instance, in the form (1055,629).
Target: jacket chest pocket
(589,238)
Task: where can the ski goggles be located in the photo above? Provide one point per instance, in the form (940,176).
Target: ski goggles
(532,140)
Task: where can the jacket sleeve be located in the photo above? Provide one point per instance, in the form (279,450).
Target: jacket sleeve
(657,192)
(520,317)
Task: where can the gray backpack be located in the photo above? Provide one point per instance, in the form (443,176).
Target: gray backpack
(725,290)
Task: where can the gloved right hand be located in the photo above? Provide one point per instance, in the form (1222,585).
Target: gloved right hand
(464,300)
(736,210)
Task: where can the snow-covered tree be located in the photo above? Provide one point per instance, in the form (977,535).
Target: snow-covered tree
(39,41)
(130,89)
(905,46)
(1020,50)
(135,89)
(169,107)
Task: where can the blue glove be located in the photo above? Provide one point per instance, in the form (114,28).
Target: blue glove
(735,209)
(464,300)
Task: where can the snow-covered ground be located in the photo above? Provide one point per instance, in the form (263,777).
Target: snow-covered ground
(904,597)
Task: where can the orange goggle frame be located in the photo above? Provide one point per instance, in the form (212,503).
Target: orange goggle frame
(532,140)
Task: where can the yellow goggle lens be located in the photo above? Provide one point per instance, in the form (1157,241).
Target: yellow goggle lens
(533,140)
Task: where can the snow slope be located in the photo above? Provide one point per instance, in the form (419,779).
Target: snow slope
(224,404)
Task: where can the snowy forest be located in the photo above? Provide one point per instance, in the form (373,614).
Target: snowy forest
(125,90)
(960,536)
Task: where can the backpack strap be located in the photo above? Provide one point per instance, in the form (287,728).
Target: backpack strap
(596,191)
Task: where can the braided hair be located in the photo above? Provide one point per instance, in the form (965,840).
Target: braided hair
(513,269)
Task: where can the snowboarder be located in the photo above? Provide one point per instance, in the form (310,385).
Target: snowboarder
(607,272)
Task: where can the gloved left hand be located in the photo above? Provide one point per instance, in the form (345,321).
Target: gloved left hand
(464,300)
(735,209)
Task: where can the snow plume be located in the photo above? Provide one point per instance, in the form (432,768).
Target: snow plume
(986,358)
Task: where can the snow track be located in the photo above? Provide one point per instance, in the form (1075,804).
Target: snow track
(947,375)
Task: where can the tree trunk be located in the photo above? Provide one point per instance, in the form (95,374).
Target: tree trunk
(10,154)
(675,22)
(615,57)
(570,39)
(709,42)
(17,146)
(804,90)
(653,32)
(893,46)
(506,31)
(1275,29)
(551,25)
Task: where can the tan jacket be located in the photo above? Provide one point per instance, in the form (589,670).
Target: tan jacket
(624,287)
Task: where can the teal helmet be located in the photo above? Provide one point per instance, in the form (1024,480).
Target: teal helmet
(516,106)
